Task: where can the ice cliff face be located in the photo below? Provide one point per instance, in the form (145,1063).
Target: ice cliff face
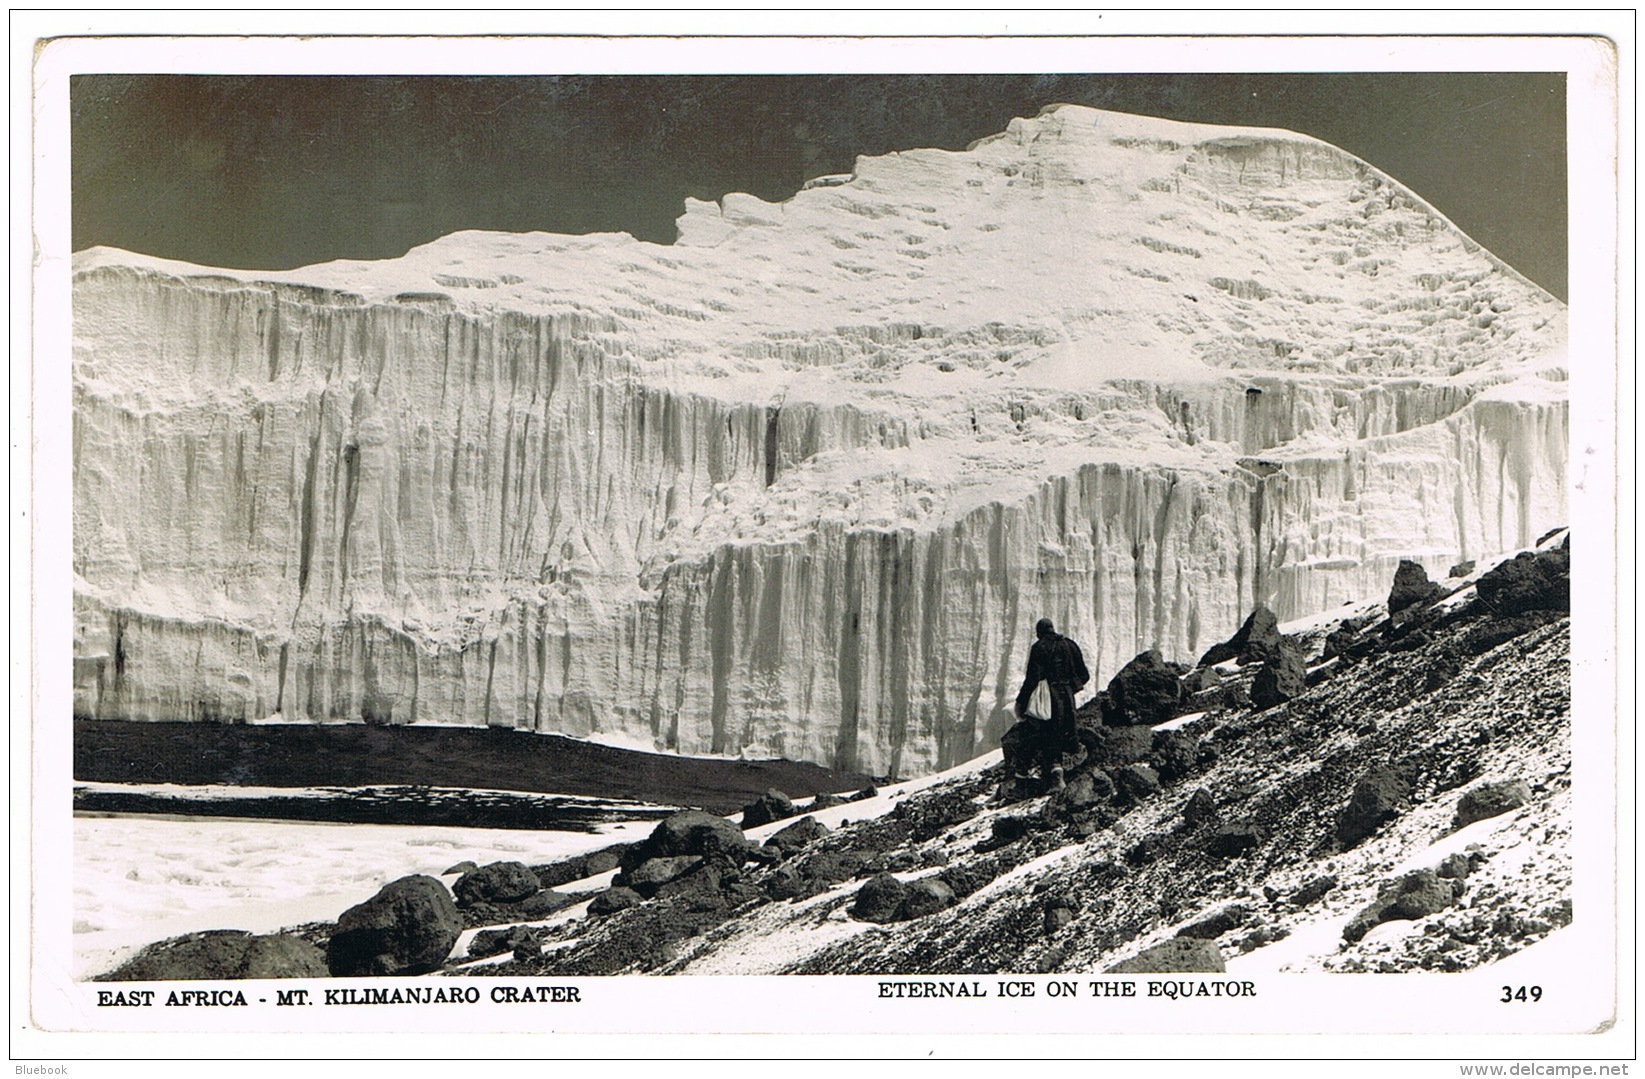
(801,483)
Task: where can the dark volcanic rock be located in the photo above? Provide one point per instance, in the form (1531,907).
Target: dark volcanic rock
(1488,635)
(1021,746)
(690,831)
(1218,922)
(592,864)
(1009,829)
(1178,955)
(1135,782)
(824,800)
(1338,642)
(1145,691)
(929,815)
(1313,891)
(1173,755)
(968,878)
(925,896)
(1059,911)
(653,873)
(1378,798)
(1490,800)
(1256,640)
(802,832)
(1411,587)
(1086,789)
(713,884)
(408,927)
(643,937)
(1531,581)
(226,954)
(542,904)
(1455,867)
(1201,679)
(499,882)
(1111,747)
(1283,676)
(833,866)
(613,900)
(773,805)
(1417,894)
(1231,840)
(1199,807)
(879,899)
(488,942)
(1461,569)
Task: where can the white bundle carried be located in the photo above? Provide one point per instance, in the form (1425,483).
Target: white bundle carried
(1039,705)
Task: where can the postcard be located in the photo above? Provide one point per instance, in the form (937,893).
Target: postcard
(973,544)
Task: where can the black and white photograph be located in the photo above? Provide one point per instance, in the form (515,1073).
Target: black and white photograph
(1073,549)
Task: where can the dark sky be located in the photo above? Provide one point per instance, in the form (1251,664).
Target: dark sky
(271,172)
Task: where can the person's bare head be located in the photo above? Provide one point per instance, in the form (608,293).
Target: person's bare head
(1044,628)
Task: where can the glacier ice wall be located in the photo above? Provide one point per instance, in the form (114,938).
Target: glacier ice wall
(801,483)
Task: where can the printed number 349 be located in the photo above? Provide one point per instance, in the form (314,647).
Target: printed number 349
(1522,994)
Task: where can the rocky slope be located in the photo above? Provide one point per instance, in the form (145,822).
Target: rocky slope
(1366,792)
(799,484)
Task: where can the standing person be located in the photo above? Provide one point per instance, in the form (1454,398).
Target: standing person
(1056,661)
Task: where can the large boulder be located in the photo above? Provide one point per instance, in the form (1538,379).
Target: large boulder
(577,867)
(1256,640)
(1025,745)
(801,833)
(773,805)
(925,896)
(879,899)
(1377,799)
(409,927)
(225,954)
(613,900)
(1143,693)
(1531,581)
(689,831)
(1186,955)
(713,884)
(1085,790)
(1135,782)
(1338,642)
(1111,747)
(1490,800)
(1234,839)
(1021,746)
(651,874)
(1411,587)
(499,882)
(1417,894)
(1283,676)
(1174,755)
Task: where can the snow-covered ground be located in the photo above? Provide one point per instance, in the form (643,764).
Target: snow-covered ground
(139,879)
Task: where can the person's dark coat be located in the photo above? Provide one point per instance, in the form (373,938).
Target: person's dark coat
(1057,660)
